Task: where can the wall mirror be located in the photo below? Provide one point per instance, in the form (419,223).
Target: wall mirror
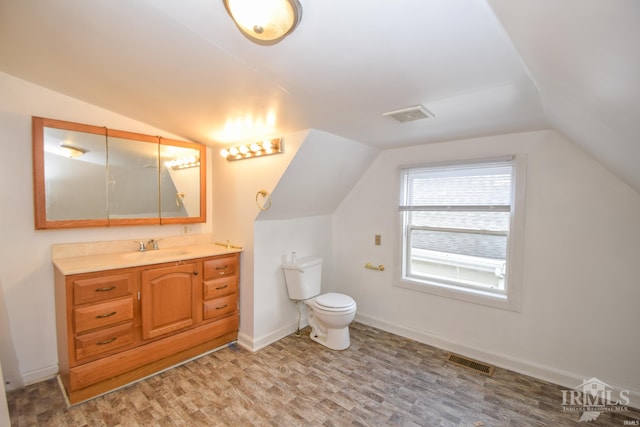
(90,176)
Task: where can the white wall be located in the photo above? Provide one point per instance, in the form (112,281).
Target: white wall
(306,184)
(275,240)
(4,408)
(8,360)
(581,289)
(26,273)
(235,185)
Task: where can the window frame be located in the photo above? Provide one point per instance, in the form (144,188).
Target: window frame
(510,298)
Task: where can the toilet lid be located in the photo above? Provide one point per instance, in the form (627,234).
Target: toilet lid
(333,300)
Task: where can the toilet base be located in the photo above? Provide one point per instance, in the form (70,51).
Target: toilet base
(335,339)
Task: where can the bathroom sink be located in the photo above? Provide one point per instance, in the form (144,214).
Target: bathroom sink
(155,254)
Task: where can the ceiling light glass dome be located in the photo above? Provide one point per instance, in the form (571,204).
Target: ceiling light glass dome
(265,22)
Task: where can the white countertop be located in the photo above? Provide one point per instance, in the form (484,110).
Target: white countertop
(90,257)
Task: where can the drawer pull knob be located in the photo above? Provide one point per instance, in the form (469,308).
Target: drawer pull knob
(105,342)
(102,316)
(222,287)
(224,267)
(110,288)
(224,306)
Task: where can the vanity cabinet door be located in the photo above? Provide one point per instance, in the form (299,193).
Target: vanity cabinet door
(169,298)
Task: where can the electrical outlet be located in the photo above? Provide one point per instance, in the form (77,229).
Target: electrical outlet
(378,240)
(186,229)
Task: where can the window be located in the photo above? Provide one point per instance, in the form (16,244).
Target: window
(462,230)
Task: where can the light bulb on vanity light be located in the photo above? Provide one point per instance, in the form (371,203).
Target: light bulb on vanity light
(252,150)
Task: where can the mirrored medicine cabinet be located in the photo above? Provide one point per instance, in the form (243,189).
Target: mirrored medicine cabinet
(91,176)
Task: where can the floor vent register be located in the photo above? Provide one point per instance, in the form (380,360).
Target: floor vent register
(474,365)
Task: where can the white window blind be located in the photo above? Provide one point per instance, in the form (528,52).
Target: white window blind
(467,187)
(456,220)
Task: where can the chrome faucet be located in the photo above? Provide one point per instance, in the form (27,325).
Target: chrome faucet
(151,245)
(154,244)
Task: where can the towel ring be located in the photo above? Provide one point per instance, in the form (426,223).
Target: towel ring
(267,200)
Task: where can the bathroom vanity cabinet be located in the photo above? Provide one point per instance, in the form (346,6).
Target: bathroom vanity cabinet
(115,326)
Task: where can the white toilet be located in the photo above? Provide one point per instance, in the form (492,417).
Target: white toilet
(329,315)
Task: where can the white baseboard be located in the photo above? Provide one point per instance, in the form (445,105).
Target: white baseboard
(38,375)
(545,373)
(245,341)
(255,344)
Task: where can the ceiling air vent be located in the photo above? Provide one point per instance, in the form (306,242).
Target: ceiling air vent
(410,114)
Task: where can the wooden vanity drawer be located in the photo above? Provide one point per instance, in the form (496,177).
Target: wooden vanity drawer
(102,288)
(218,287)
(104,340)
(103,314)
(220,307)
(218,267)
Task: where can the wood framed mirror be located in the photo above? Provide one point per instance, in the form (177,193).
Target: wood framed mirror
(90,176)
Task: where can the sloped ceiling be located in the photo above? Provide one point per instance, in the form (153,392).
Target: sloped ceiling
(321,174)
(183,67)
(584,56)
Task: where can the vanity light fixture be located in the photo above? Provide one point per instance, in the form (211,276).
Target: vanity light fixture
(71,152)
(264,22)
(255,149)
(183,163)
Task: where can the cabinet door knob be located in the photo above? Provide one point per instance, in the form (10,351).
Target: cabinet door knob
(195,273)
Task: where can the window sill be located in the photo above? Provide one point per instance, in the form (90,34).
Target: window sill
(505,302)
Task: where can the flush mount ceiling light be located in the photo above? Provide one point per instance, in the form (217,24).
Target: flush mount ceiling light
(71,151)
(264,22)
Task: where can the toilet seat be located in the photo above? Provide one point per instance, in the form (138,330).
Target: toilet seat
(334,302)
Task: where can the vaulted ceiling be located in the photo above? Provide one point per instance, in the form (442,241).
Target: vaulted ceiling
(481,67)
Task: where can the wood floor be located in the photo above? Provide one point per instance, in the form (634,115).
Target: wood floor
(380,380)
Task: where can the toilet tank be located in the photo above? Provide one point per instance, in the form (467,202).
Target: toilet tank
(303,277)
